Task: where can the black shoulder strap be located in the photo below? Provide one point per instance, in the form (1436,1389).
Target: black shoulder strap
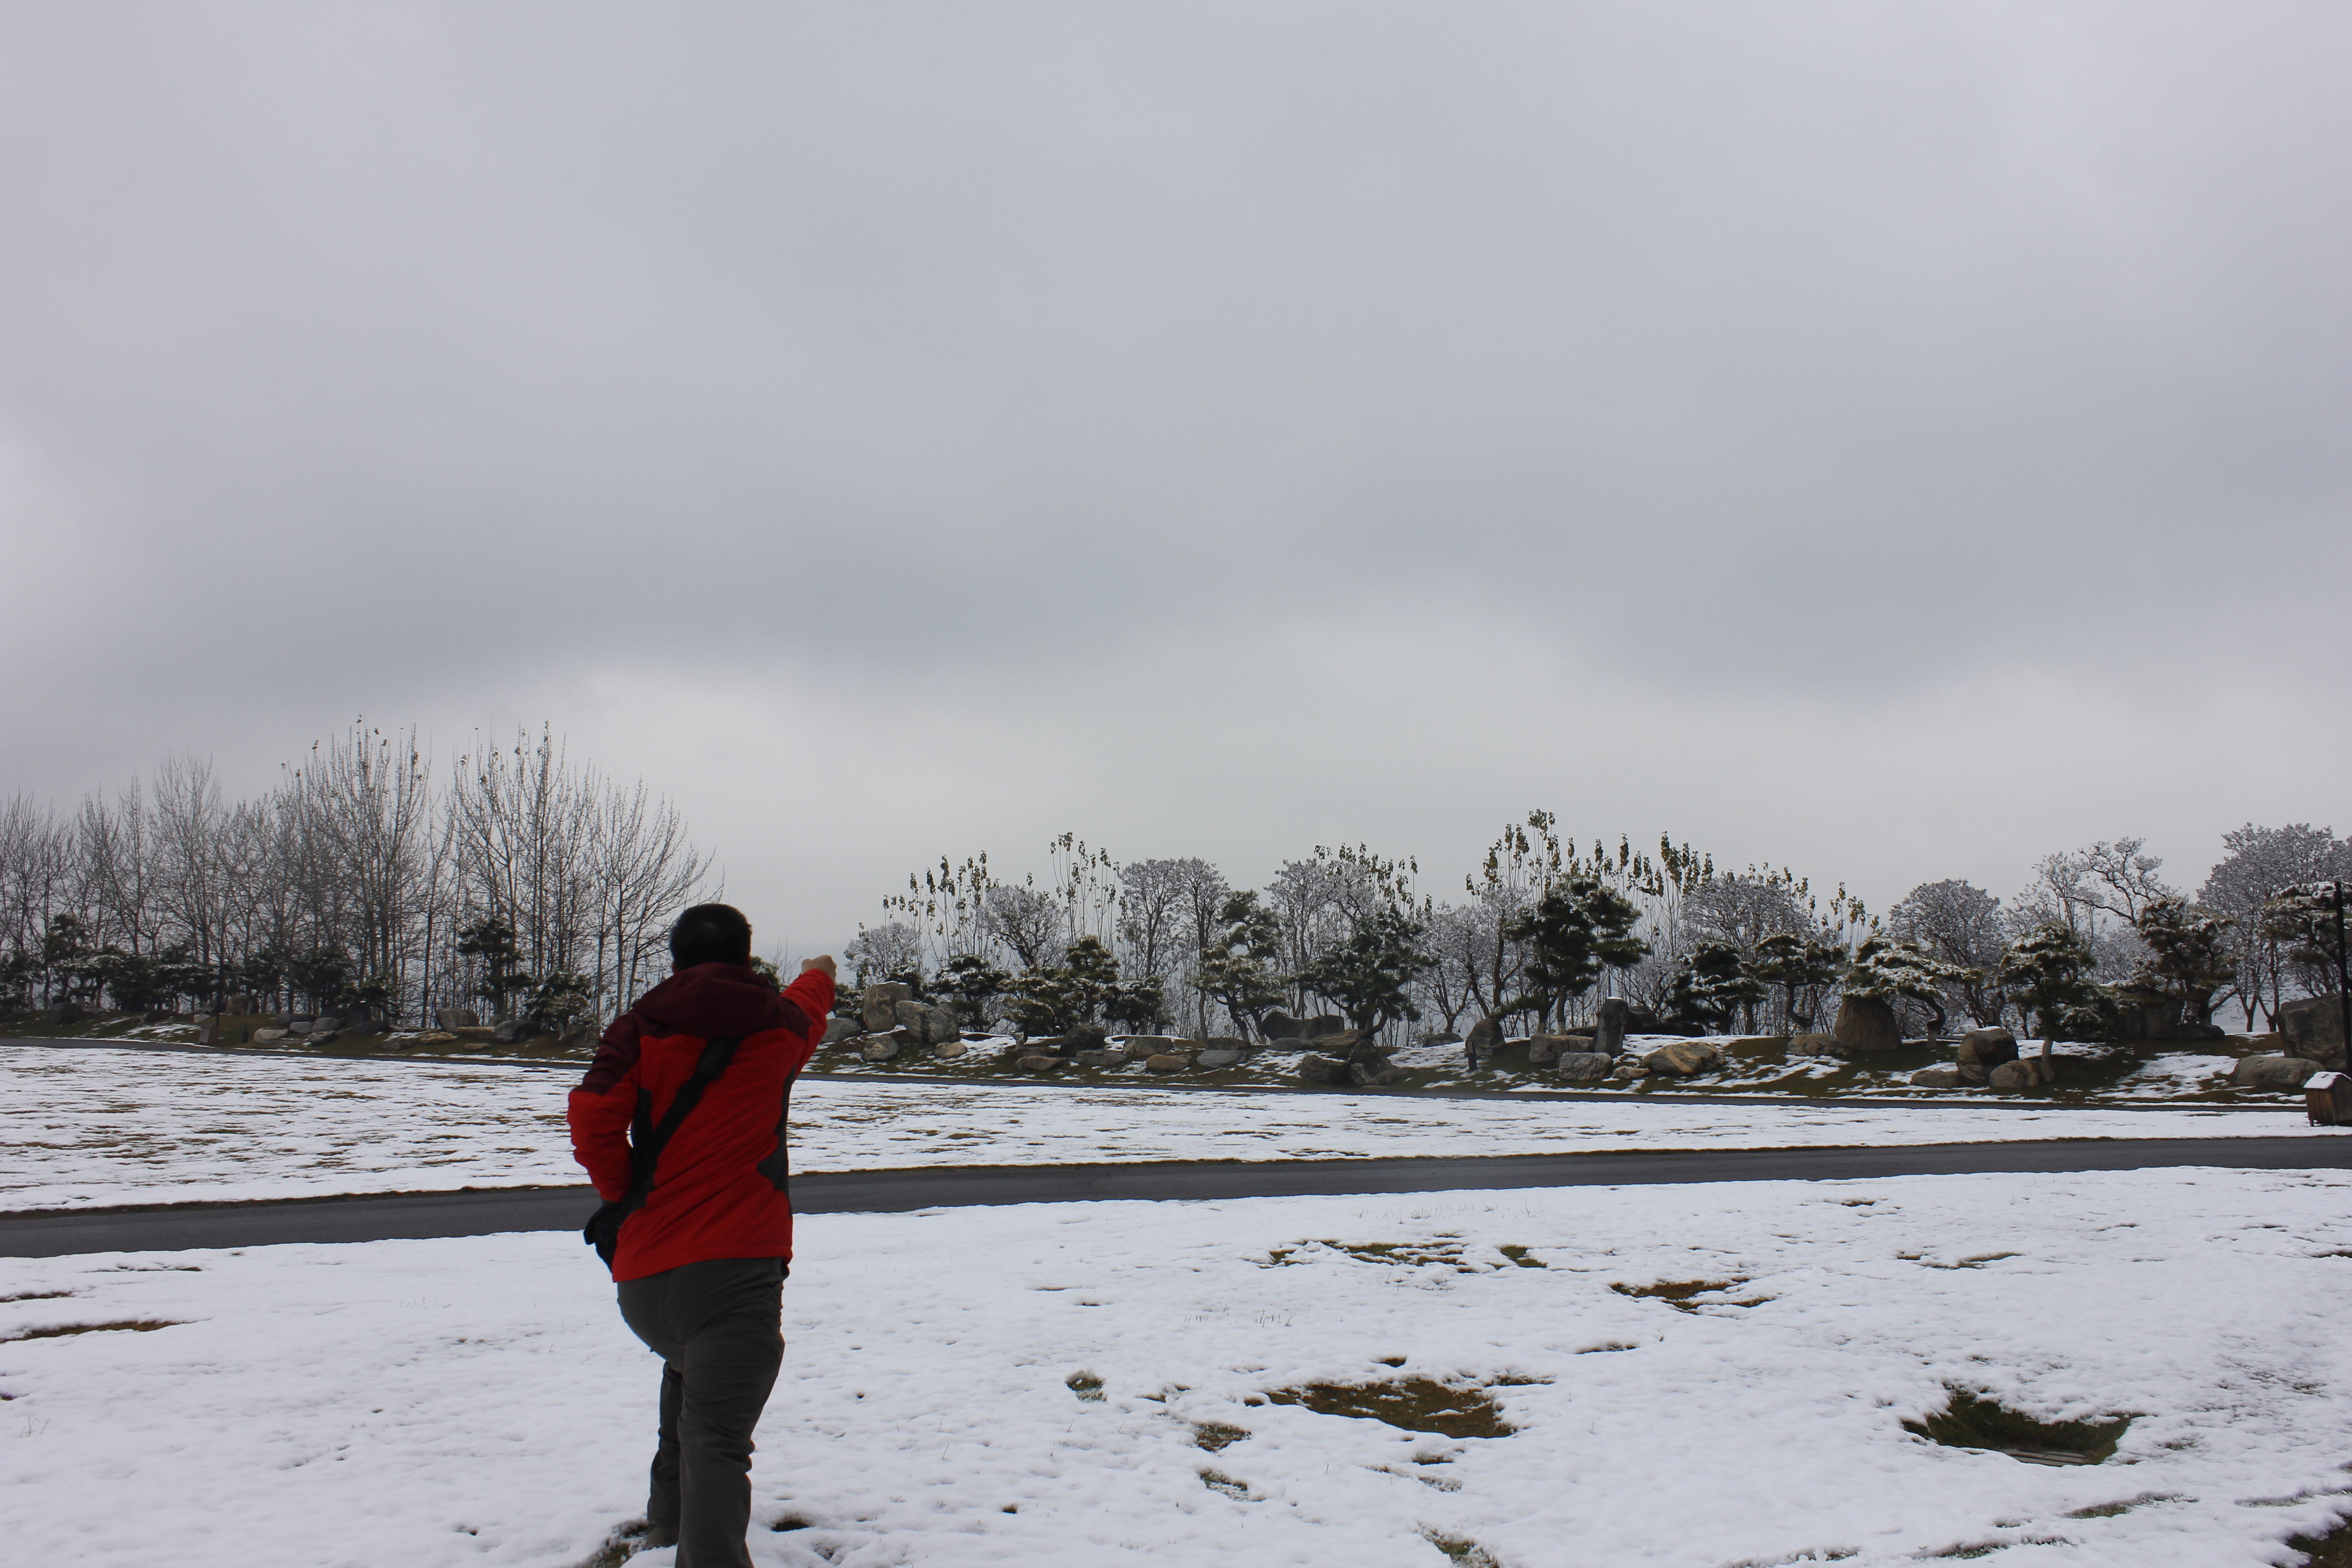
(647,1147)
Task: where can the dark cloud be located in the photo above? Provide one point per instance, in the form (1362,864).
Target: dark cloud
(1180,385)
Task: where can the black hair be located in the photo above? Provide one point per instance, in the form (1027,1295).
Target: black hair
(710,934)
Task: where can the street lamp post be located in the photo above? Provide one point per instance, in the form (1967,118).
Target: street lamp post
(2342,978)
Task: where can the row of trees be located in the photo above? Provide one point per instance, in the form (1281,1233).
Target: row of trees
(2096,946)
(363,881)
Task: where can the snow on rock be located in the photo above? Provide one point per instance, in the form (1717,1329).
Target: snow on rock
(86,1128)
(1088,1384)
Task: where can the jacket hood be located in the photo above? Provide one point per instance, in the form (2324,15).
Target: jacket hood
(713,1001)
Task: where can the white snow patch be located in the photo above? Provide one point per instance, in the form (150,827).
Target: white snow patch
(86,1128)
(478,1401)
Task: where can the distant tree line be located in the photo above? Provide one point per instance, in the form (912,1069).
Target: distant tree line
(517,882)
(2097,946)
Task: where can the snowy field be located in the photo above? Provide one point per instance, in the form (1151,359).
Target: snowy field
(477,1402)
(90,1128)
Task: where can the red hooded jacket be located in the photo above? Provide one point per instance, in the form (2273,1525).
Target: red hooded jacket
(719,1191)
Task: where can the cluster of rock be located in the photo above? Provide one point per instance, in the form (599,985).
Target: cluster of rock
(1089,1045)
(1989,1056)
(896,1024)
(1599,1052)
(1865,1025)
(1349,1060)
(1280,1029)
(315,1031)
(2313,1032)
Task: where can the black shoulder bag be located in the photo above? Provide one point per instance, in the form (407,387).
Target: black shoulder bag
(602,1230)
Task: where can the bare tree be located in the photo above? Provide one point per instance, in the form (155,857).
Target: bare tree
(1965,927)
(1028,922)
(2256,865)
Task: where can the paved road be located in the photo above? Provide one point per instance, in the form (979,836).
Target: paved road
(486,1213)
(1655,1094)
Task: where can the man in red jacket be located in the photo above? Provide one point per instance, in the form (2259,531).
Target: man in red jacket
(700,1261)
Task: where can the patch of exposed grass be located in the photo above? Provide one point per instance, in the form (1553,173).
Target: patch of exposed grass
(37,1296)
(1446,1250)
(1410,1404)
(1519,1254)
(1978,1261)
(618,1547)
(1681,1294)
(128,1325)
(2333,1550)
(1085,1384)
(1987,1548)
(1213,1435)
(2110,1510)
(1972,1420)
(1218,1482)
(1460,1549)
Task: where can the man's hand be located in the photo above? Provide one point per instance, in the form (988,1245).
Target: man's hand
(822,961)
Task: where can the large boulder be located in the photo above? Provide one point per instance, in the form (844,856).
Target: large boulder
(1584,1067)
(1169,1061)
(1543,1051)
(1867,1023)
(1143,1047)
(1348,1057)
(878,1005)
(2273,1072)
(1217,1056)
(878,1049)
(947,1050)
(506,1032)
(839,1030)
(1935,1077)
(1280,1027)
(1981,1050)
(1814,1046)
(2026,1072)
(455,1018)
(1609,1027)
(1478,1046)
(1037,1063)
(1103,1059)
(2312,1029)
(930,1026)
(1686,1058)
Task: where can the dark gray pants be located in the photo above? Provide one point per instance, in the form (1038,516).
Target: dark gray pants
(717,1328)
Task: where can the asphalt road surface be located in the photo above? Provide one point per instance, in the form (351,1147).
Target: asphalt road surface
(498,1210)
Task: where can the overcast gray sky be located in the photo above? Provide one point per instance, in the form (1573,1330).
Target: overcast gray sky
(1893,440)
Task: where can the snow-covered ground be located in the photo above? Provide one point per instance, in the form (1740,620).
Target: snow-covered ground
(80,1128)
(477,1402)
